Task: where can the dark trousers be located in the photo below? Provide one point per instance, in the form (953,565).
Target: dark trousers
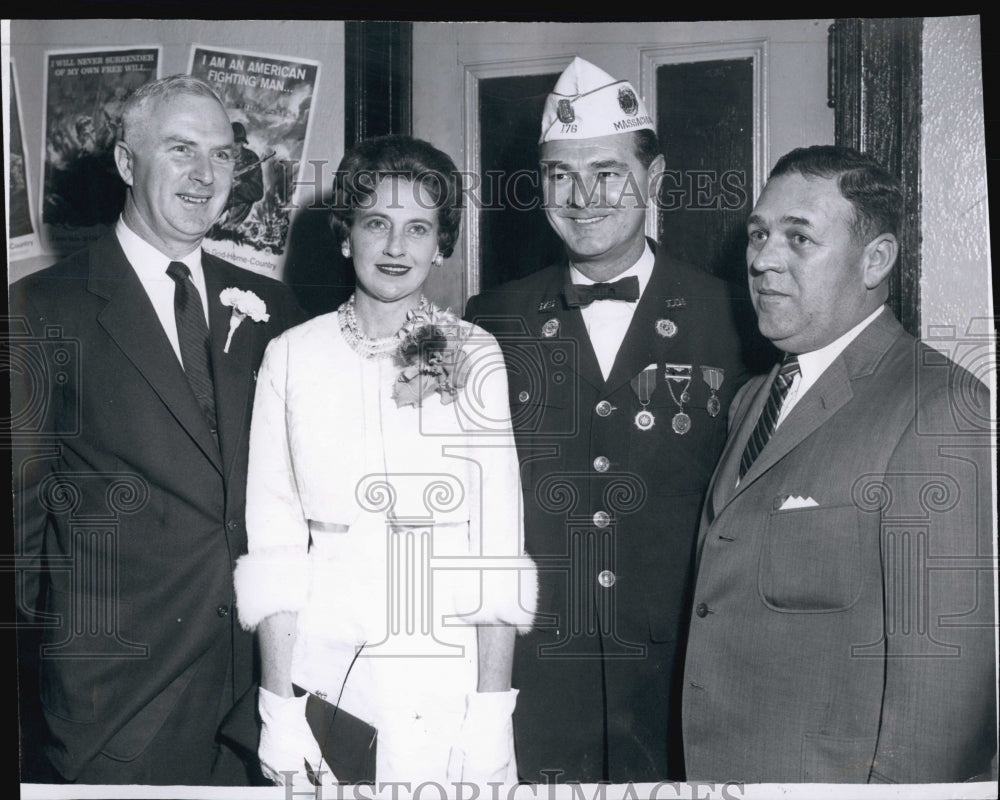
(592,719)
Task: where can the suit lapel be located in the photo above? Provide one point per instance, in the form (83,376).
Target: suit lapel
(751,403)
(232,371)
(828,395)
(820,402)
(130,320)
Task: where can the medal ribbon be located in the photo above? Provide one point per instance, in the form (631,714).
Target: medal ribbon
(644,384)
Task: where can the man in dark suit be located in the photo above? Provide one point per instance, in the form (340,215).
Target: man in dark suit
(130,432)
(843,625)
(621,364)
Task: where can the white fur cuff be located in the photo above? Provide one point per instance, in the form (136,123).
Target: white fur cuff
(268,581)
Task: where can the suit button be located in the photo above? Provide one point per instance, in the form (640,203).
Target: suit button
(606,578)
(602,519)
(701,610)
(603,408)
(601,463)
(232,524)
(222,611)
(523,396)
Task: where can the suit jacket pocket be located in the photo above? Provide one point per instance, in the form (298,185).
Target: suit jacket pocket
(811,560)
(836,759)
(135,735)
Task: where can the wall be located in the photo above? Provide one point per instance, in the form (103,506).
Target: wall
(956,280)
(319,41)
(796,79)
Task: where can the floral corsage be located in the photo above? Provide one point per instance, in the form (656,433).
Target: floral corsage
(244,304)
(430,355)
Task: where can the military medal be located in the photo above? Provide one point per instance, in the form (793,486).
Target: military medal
(644,420)
(679,373)
(643,384)
(550,328)
(713,377)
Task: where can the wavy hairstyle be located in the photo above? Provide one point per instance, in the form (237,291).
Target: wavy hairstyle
(399,157)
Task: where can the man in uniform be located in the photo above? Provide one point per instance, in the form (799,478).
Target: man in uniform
(621,362)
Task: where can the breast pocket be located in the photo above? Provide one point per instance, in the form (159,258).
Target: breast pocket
(811,560)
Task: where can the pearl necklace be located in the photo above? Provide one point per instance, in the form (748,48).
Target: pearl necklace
(363,345)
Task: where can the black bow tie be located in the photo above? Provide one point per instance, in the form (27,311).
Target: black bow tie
(580,295)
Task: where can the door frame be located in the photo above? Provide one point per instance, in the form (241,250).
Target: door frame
(472,74)
(651,58)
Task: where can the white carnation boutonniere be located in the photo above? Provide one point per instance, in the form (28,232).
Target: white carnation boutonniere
(244,304)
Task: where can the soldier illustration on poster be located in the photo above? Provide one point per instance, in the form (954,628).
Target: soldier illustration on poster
(85,92)
(268,98)
(248,181)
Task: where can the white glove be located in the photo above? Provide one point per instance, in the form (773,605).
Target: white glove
(484,751)
(287,743)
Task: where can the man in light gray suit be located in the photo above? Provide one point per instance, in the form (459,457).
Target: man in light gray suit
(843,621)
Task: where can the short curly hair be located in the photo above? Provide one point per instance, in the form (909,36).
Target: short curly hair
(401,157)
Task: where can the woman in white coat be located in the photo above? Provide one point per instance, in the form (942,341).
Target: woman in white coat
(386,576)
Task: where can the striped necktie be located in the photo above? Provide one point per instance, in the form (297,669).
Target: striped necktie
(772,408)
(192,331)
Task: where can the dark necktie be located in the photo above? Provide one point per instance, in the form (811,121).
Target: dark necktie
(580,295)
(772,408)
(193,335)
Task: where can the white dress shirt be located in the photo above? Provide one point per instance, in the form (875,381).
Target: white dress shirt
(607,321)
(814,364)
(151,267)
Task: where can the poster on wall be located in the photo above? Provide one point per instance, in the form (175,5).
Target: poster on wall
(85,93)
(22,236)
(268,98)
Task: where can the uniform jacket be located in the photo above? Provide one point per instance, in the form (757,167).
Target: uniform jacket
(850,639)
(611,511)
(124,500)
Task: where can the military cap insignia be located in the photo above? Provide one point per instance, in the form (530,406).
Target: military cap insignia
(628,101)
(564,110)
